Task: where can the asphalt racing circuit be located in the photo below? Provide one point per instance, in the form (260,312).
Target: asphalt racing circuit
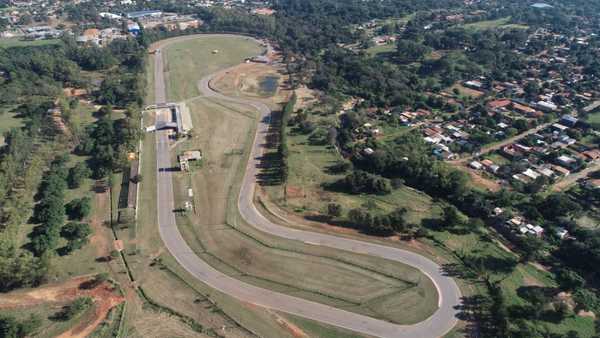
(442,321)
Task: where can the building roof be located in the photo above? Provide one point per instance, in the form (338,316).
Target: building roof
(498,103)
(141,14)
(91,33)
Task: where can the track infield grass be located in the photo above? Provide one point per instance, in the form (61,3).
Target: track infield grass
(224,133)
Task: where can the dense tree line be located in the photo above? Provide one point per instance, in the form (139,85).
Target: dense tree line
(283,151)
(50,211)
(35,71)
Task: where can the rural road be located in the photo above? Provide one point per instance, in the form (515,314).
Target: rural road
(442,321)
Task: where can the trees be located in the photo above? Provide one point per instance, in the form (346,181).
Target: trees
(410,51)
(531,247)
(78,174)
(334,210)
(76,308)
(363,182)
(76,234)
(451,217)
(569,280)
(51,209)
(558,205)
(20,270)
(79,208)
(379,224)
(10,327)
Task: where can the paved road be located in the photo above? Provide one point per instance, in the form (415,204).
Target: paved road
(443,320)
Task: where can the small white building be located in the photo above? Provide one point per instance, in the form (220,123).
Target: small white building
(476,165)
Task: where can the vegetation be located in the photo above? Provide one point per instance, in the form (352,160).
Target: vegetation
(10,327)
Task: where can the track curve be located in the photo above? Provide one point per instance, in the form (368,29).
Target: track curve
(437,325)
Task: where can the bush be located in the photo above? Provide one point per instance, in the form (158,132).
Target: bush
(75,309)
(334,210)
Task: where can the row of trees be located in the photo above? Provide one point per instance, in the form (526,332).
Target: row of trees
(283,151)
(50,211)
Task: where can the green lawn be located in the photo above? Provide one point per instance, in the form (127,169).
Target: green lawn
(8,121)
(381,49)
(15,42)
(190,60)
(308,172)
(502,23)
(593,118)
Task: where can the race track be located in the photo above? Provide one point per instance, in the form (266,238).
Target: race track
(442,321)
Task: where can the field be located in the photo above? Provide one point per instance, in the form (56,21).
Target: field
(182,76)
(13,42)
(358,283)
(593,118)
(502,23)
(464,91)
(381,50)
(8,120)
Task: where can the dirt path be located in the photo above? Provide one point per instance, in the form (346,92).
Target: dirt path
(104,300)
(572,179)
(54,293)
(497,146)
(104,296)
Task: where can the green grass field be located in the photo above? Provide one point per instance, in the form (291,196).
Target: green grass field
(8,121)
(183,75)
(381,49)
(593,118)
(14,42)
(502,23)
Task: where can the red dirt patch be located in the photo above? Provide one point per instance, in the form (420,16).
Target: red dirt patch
(293,192)
(104,297)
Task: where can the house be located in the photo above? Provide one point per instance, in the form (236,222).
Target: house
(133,28)
(566,161)
(568,120)
(592,154)
(519,108)
(511,152)
(546,172)
(475,84)
(487,162)
(562,233)
(476,165)
(546,106)
(561,171)
(559,127)
(593,184)
(522,148)
(531,174)
(368,151)
(536,230)
(496,104)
